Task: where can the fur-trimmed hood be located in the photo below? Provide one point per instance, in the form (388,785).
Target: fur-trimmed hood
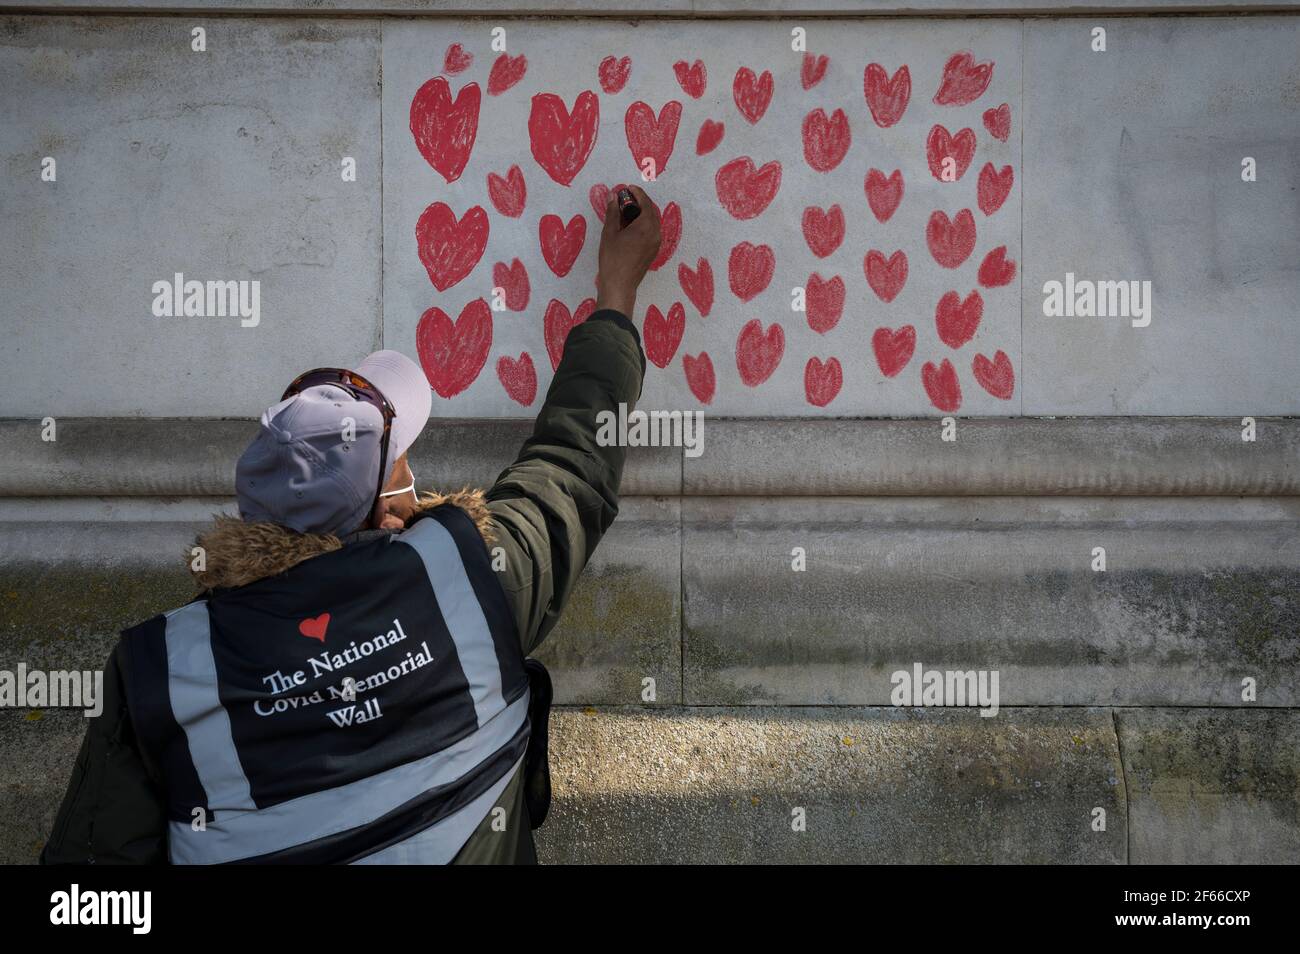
(236,553)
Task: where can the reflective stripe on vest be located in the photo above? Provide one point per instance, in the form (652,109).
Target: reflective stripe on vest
(422,810)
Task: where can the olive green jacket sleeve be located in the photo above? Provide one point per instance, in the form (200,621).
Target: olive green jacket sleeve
(553,504)
(113,811)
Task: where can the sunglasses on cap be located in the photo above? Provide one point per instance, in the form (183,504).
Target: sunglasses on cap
(363,391)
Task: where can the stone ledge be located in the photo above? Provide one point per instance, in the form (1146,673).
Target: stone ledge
(654,8)
(161,457)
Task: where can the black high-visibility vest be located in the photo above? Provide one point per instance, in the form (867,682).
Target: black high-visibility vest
(368,705)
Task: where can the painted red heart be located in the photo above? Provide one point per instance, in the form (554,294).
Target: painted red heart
(599,198)
(693,78)
(709,137)
(452,355)
(750,269)
(826,140)
(699,376)
(758,352)
(998,122)
(314,628)
(506,72)
(823,230)
(456,60)
(613,73)
(558,322)
(510,194)
(822,382)
(813,69)
(752,93)
(649,138)
(450,248)
(951,242)
(994,187)
(886,98)
(941,145)
(670,233)
(886,277)
(513,281)
(518,377)
(823,302)
(697,285)
(662,334)
(444,130)
(964,80)
(996,270)
(893,349)
(996,376)
(745,192)
(941,385)
(561,141)
(957,320)
(884,195)
(561,243)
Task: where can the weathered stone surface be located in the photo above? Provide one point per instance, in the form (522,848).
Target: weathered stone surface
(1212,786)
(1197,594)
(877,785)
(223,166)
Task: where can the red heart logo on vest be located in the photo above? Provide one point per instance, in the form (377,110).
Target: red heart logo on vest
(752,93)
(758,352)
(613,73)
(652,138)
(450,248)
(893,349)
(452,355)
(698,284)
(560,141)
(886,98)
(444,131)
(964,80)
(315,628)
(506,72)
(744,191)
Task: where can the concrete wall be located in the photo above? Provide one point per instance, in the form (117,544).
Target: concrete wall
(1120,690)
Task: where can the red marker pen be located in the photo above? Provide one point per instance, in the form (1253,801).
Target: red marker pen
(628,209)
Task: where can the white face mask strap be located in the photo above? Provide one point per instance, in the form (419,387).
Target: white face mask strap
(408,489)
